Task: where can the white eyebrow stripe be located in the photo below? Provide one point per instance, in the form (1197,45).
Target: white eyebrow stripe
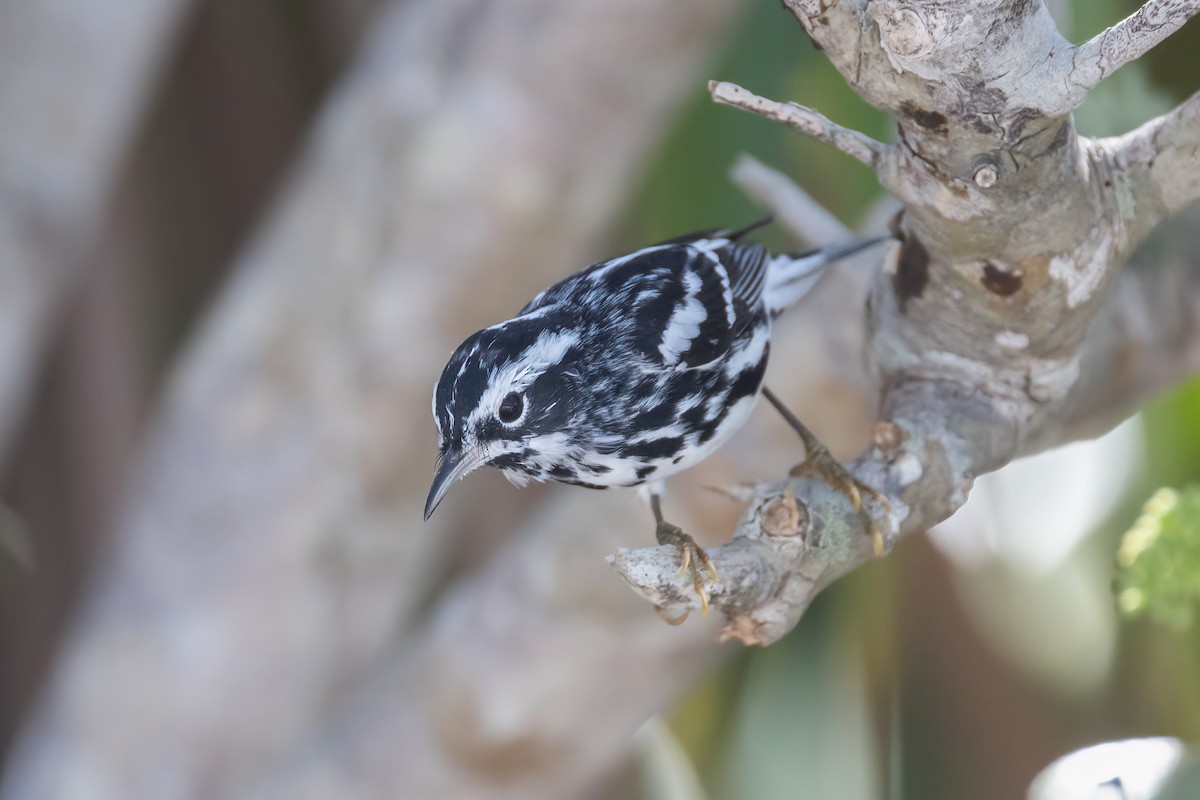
(547,351)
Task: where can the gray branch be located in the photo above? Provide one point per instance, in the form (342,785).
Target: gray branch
(813,123)
(1155,169)
(793,208)
(1128,40)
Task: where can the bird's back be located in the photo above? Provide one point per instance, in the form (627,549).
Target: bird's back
(673,348)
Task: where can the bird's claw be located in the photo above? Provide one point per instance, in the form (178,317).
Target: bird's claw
(692,558)
(821,465)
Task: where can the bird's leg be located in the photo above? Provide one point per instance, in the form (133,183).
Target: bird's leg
(820,463)
(691,554)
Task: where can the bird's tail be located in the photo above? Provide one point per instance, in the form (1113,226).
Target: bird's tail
(790,276)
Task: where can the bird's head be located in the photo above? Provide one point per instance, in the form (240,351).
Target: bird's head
(504,387)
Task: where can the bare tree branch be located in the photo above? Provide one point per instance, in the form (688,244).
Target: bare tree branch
(799,536)
(1155,169)
(816,125)
(981,337)
(73,76)
(1144,341)
(1128,40)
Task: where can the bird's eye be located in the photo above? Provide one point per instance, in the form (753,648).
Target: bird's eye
(511,407)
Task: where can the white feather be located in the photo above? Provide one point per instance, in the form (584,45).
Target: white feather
(789,279)
(684,324)
(708,248)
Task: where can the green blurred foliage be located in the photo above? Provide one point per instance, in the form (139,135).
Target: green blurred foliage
(687,186)
(1184,783)
(1173,430)
(1159,559)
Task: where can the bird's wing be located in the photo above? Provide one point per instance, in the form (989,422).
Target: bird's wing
(746,264)
(682,305)
(676,305)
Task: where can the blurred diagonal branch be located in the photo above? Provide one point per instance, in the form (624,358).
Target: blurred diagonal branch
(272,545)
(73,77)
(528,682)
(791,206)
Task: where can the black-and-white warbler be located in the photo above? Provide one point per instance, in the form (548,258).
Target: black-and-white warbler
(627,372)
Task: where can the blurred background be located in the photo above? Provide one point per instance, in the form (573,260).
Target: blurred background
(957,667)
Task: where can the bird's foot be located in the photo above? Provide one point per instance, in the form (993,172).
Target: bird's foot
(693,559)
(820,464)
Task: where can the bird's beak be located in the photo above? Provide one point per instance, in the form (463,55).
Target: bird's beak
(454,465)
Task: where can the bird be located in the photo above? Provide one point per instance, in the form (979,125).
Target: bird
(630,371)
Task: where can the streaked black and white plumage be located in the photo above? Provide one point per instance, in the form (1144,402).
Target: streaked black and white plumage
(627,372)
